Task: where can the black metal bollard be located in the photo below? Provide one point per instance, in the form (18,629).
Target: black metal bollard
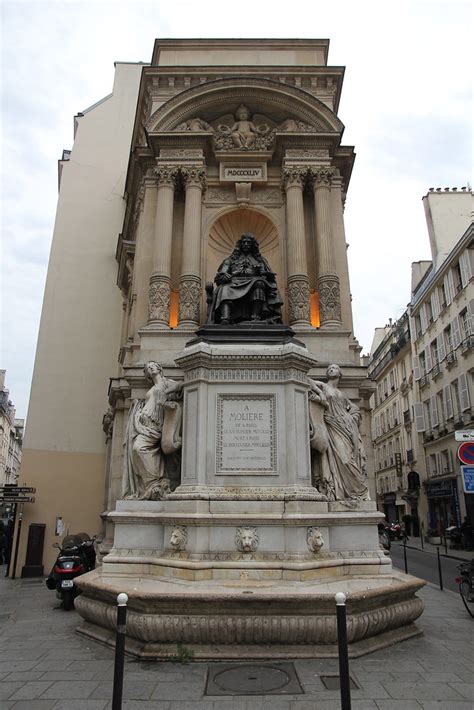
(122,600)
(343,653)
(446,545)
(439,570)
(405,554)
(422,535)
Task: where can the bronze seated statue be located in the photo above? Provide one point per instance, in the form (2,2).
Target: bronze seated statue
(246,287)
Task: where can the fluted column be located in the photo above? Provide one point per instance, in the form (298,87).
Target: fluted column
(190,280)
(298,282)
(328,281)
(160,281)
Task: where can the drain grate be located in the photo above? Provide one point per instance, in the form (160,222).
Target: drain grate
(331,682)
(252,679)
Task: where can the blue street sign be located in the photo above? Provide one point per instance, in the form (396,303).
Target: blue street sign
(468,478)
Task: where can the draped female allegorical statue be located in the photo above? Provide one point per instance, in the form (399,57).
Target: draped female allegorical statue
(246,287)
(335,435)
(152,439)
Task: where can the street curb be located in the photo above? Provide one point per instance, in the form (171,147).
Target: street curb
(441,554)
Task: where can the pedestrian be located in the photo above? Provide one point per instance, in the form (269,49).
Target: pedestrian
(466,533)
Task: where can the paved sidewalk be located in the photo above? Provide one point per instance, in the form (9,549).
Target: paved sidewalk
(44,664)
(462,555)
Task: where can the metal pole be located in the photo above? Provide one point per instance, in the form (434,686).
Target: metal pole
(445,545)
(17,541)
(422,535)
(343,653)
(10,542)
(122,600)
(439,569)
(405,554)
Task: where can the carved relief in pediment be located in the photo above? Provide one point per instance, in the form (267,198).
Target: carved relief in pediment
(244,131)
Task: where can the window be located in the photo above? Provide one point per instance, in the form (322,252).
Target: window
(429,311)
(465,324)
(422,360)
(457,279)
(456,399)
(442,293)
(448,339)
(446,461)
(434,351)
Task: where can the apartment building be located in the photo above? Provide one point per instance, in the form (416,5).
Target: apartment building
(396,445)
(423,366)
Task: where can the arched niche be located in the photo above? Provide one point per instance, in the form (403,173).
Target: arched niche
(227,229)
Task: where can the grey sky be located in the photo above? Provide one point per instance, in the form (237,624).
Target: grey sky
(406,104)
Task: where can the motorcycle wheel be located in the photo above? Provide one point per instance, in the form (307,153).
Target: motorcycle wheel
(68,601)
(465,592)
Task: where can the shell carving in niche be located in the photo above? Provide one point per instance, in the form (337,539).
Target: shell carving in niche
(225,232)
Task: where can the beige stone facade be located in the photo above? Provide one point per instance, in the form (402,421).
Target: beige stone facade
(212,139)
(425,376)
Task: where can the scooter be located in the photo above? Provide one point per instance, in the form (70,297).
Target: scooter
(76,556)
(394,531)
(454,535)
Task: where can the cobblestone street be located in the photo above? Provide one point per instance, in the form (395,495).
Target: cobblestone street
(44,664)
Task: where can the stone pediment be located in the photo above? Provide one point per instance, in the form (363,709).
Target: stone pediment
(211,109)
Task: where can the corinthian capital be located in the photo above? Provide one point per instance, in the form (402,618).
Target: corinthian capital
(165,175)
(293,177)
(322,176)
(195,177)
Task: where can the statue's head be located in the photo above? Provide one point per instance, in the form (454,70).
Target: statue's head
(333,372)
(242,113)
(248,244)
(152,368)
(246,539)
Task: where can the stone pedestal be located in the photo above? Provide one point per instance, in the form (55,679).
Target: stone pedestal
(246,552)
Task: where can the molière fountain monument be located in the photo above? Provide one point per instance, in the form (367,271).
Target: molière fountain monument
(237,494)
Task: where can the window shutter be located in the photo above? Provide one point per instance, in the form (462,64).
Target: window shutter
(456,332)
(464,392)
(416,368)
(423,319)
(411,322)
(428,360)
(447,289)
(435,304)
(439,464)
(434,411)
(448,402)
(441,348)
(465,268)
(419,417)
(452,288)
(470,313)
(428,466)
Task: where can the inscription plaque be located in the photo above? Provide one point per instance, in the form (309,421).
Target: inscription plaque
(246,434)
(243,173)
